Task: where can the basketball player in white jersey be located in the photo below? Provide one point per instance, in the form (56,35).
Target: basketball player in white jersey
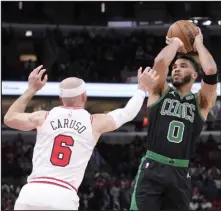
(66,137)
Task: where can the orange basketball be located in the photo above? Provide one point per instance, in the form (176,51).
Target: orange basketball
(185,31)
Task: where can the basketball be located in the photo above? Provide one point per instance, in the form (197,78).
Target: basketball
(185,31)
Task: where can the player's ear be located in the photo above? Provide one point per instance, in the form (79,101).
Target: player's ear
(195,75)
(84,97)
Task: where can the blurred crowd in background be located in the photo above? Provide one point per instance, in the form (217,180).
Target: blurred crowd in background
(96,55)
(111,185)
(112,56)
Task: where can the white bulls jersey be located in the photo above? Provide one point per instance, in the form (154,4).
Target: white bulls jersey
(63,148)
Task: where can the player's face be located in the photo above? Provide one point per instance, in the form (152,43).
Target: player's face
(182,73)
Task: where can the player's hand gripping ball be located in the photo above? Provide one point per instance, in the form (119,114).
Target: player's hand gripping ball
(185,31)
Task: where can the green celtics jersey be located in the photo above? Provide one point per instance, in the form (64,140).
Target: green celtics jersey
(175,123)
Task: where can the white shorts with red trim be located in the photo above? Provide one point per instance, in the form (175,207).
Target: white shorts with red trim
(50,193)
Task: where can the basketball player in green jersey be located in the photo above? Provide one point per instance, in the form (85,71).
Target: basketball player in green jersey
(176,118)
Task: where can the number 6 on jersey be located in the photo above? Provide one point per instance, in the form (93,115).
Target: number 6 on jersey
(61,152)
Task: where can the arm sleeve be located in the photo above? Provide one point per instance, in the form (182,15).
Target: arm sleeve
(130,111)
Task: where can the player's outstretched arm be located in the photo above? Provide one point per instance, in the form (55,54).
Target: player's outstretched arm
(15,117)
(109,122)
(165,57)
(207,94)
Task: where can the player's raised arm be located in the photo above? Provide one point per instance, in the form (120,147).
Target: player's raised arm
(165,57)
(109,122)
(16,117)
(207,94)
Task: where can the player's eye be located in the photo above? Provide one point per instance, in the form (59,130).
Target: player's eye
(184,65)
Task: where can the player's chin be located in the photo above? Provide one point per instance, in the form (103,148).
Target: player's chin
(176,83)
(176,80)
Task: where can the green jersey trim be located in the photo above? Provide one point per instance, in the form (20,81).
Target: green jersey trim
(181,97)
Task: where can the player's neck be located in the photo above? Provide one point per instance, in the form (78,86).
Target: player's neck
(79,105)
(185,89)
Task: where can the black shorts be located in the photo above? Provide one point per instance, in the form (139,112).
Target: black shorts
(160,186)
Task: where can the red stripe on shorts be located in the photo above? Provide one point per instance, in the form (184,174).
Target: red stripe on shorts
(51,178)
(51,183)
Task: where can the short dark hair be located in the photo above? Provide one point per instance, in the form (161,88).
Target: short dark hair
(196,66)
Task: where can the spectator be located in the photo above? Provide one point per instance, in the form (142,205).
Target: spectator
(115,193)
(194,205)
(205,204)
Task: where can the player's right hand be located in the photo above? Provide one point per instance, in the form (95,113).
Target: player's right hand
(35,81)
(148,80)
(198,39)
(181,48)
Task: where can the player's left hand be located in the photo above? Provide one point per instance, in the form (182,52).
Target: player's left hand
(198,39)
(148,79)
(35,81)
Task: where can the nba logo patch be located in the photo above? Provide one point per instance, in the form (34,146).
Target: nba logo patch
(147,165)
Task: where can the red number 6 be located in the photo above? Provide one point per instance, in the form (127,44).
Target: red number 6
(61,155)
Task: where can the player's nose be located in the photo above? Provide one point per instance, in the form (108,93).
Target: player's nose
(177,70)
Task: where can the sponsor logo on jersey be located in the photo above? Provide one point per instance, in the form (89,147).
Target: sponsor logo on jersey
(189,97)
